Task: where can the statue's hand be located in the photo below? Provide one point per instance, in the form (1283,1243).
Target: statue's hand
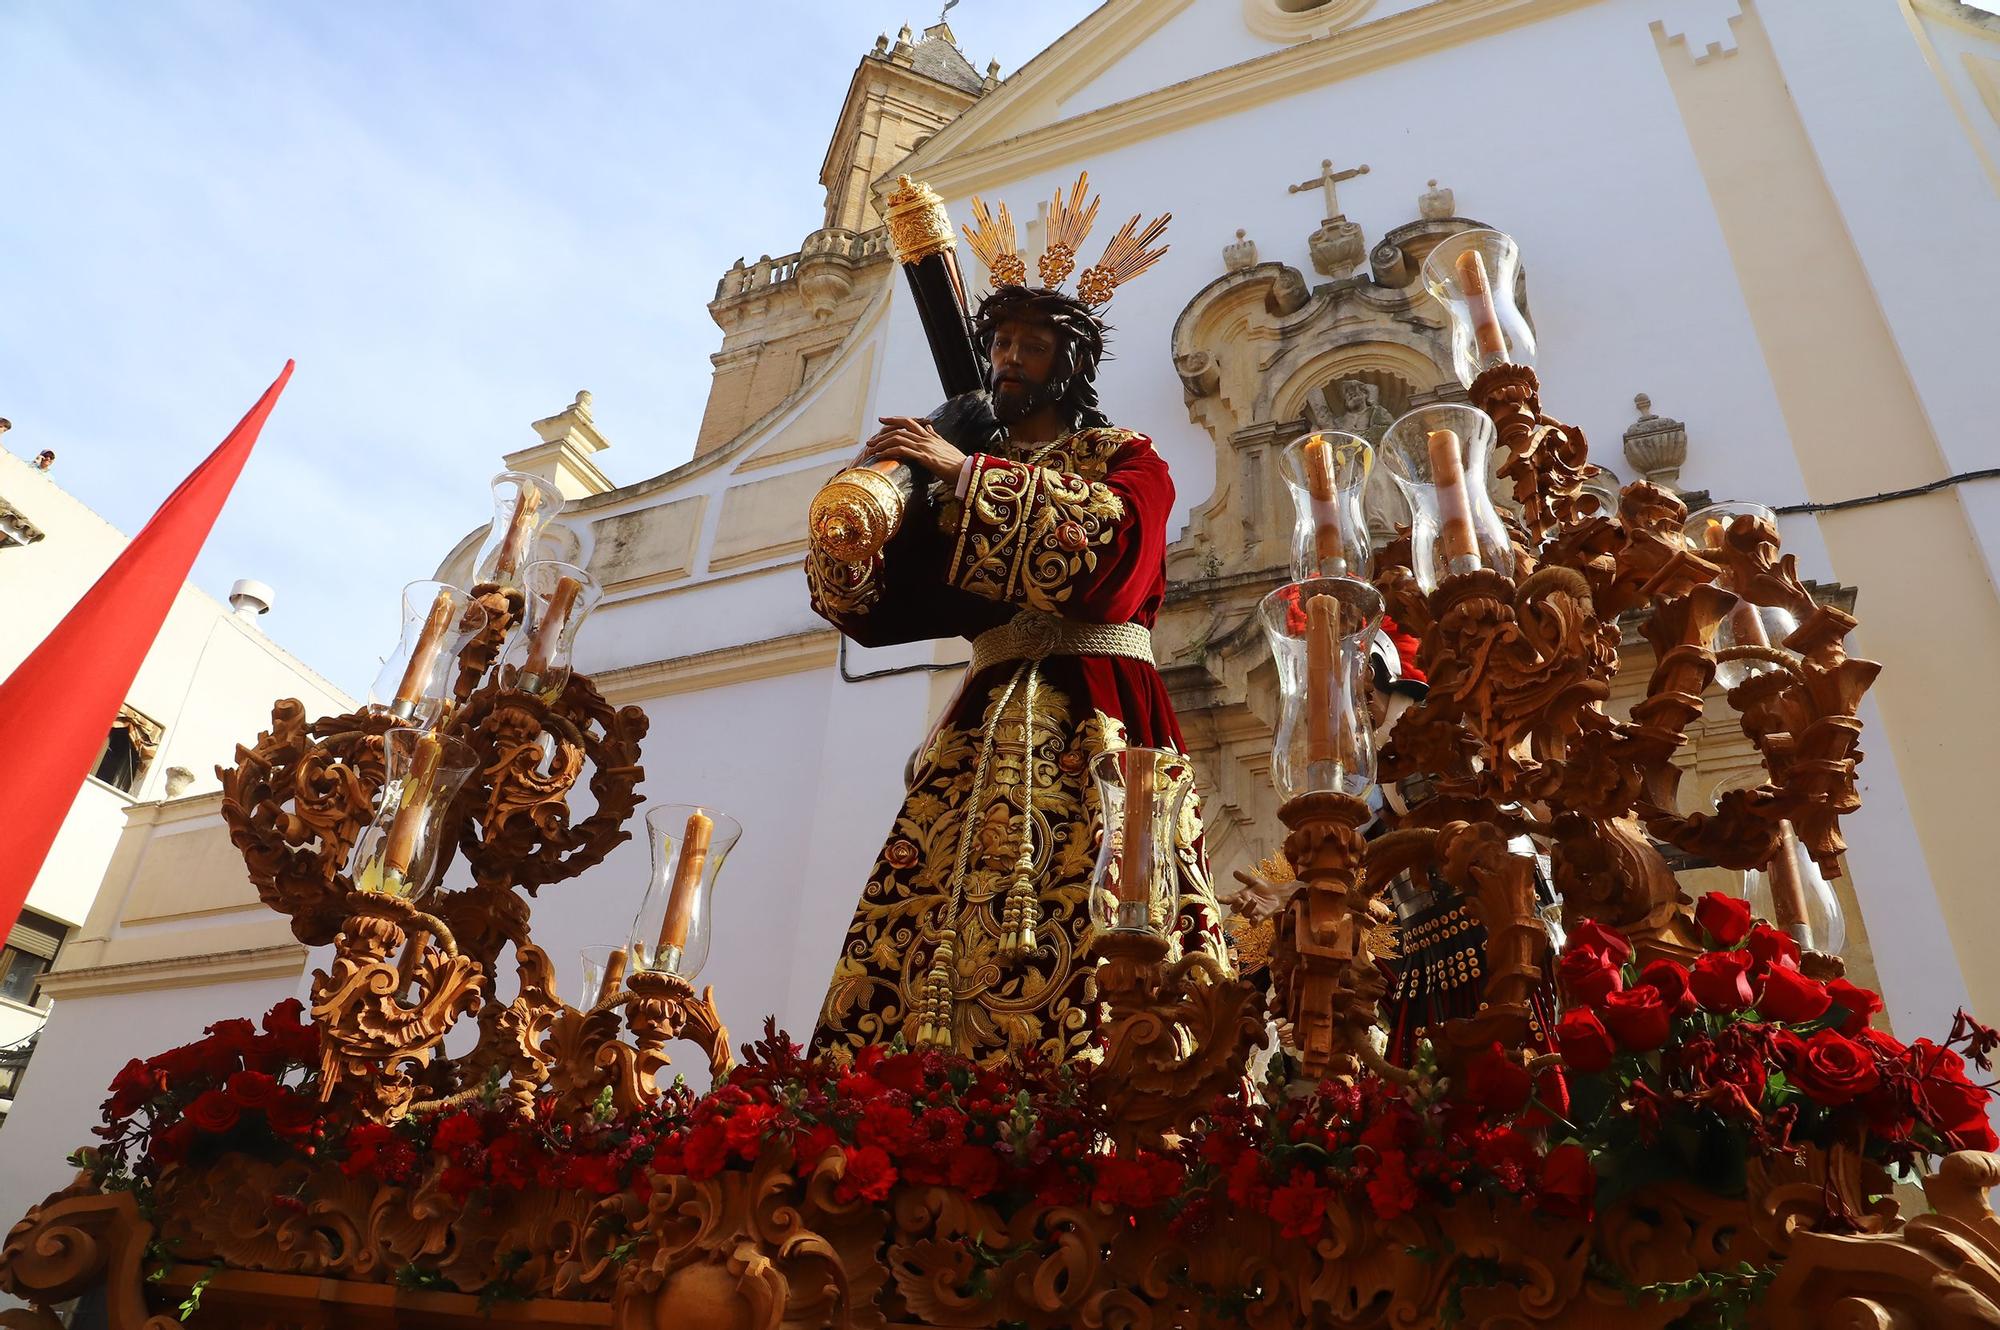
(1261,898)
(907,439)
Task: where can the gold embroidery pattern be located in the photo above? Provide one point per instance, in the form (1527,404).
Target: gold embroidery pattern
(841,588)
(1026,531)
(1046,1000)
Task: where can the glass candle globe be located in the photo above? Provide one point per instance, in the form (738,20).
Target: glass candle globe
(1472,274)
(1141,796)
(1438,457)
(1325,473)
(1706,532)
(1796,897)
(416,680)
(673,927)
(603,974)
(523,505)
(559,597)
(403,850)
(1319,631)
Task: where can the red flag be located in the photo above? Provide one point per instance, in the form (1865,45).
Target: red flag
(58,705)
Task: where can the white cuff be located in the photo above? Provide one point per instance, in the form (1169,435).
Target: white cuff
(964,478)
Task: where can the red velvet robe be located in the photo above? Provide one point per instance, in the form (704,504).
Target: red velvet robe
(1076,529)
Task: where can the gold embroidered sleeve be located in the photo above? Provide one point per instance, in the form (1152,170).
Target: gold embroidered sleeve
(1028,535)
(841,590)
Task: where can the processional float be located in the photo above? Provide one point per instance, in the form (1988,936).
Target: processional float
(338,1166)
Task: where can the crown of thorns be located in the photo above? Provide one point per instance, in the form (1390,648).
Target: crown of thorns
(1070,220)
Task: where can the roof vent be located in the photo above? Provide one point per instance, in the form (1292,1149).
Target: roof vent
(250,598)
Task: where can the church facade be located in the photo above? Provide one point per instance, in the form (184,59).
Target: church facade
(1722,207)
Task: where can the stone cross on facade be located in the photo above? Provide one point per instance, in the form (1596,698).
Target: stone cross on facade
(1327,179)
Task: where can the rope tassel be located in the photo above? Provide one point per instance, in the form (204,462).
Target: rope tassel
(1021,912)
(935,998)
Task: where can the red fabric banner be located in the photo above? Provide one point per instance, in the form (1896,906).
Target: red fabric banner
(59,704)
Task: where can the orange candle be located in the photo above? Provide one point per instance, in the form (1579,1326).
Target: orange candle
(424,659)
(549,631)
(1318,458)
(1788,888)
(402,844)
(614,975)
(1455,534)
(520,531)
(1135,882)
(687,882)
(1472,280)
(1322,688)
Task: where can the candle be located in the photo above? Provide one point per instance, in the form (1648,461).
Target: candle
(1472,280)
(614,975)
(1327,542)
(549,630)
(1788,888)
(401,847)
(1461,546)
(1135,881)
(417,675)
(687,883)
(520,532)
(1323,693)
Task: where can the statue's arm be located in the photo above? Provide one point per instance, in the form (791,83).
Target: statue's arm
(1053,540)
(889,597)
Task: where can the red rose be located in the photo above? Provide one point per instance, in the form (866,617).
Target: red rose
(1831,1068)
(1585,1044)
(1495,1083)
(1721,979)
(1299,1207)
(293,1116)
(1726,919)
(1590,933)
(1790,997)
(1639,1018)
(456,1133)
(171,1146)
(253,1090)
(1771,947)
(869,1175)
(131,1088)
(1568,1183)
(1858,1004)
(1948,1100)
(1589,975)
(286,1017)
(974,1170)
(1671,978)
(212,1112)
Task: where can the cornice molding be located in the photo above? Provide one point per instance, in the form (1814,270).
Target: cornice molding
(222,967)
(793,654)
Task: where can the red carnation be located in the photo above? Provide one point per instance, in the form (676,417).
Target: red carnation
(902,1071)
(973,1169)
(1568,1183)
(810,1143)
(1299,1207)
(1246,1185)
(212,1112)
(1585,1044)
(1496,1083)
(745,1128)
(1829,1067)
(1639,1018)
(886,1126)
(1859,1005)
(1392,1192)
(706,1150)
(591,1173)
(869,1175)
(456,1133)
(1790,997)
(1725,918)
(1721,979)
(1771,947)
(510,1162)
(1589,975)
(1590,933)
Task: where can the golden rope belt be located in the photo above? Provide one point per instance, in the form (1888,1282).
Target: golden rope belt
(1029,638)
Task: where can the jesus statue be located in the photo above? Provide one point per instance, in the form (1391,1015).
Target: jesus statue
(1045,546)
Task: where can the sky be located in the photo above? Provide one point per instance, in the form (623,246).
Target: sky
(452,214)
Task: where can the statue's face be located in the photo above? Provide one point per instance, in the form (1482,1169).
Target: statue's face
(1023,360)
(1353,393)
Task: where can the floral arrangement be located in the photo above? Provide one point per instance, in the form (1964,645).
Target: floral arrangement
(1686,1071)
(1660,1070)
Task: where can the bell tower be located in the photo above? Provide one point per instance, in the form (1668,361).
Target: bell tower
(780,316)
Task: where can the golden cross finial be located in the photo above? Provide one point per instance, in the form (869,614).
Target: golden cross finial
(1327,179)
